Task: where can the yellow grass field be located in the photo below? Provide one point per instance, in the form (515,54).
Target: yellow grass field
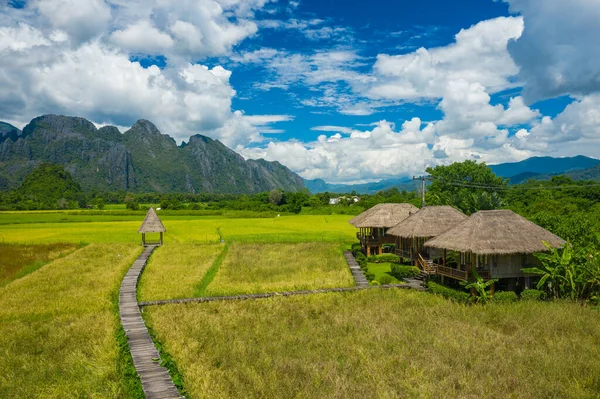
(381,344)
(303,228)
(175,270)
(257,268)
(58,327)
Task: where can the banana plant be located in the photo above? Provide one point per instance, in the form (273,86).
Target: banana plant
(481,288)
(558,273)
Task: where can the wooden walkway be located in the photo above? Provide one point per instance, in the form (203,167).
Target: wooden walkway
(356,271)
(156,382)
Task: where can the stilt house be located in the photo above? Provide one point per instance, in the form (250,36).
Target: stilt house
(428,222)
(374,223)
(498,244)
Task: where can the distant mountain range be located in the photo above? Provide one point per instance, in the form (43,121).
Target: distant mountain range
(544,167)
(320,186)
(540,168)
(140,160)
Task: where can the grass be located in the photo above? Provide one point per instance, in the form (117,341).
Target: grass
(17,260)
(175,270)
(257,268)
(382,269)
(381,343)
(100,227)
(59,327)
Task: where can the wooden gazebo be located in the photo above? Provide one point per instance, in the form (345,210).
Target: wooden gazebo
(374,222)
(498,244)
(428,222)
(152,224)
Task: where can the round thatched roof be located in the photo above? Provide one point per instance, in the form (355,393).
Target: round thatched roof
(500,232)
(151,223)
(383,215)
(429,221)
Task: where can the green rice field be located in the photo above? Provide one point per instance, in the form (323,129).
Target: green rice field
(60,335)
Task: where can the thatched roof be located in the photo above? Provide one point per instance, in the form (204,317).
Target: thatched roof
(429,221)
(495,233)
(383,215)
(151,223)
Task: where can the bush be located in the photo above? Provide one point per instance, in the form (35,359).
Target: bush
(369,276)
(449,293)
(532,295)
(400,271)
(504,297)
(133,206)
(360,256)
(356,249)
(384,280)
(384,258)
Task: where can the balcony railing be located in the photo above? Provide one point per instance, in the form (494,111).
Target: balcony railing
(460,274)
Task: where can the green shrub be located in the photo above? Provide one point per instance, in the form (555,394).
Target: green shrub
(362,263)
(400,271)
(532,295)
(504,297)
(355,248)
(449,293)
(369,276)
(359,256)
(384,280)
(384,258)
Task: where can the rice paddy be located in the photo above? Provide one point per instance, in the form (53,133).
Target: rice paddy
(60,335)
(59,327)
(258,268)
(381,344)
(176,270)
(17,261)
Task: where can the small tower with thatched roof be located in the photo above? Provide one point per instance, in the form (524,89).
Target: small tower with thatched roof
(428,222)
(151,224)
(374,222)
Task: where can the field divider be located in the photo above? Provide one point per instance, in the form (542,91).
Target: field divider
(271,294)
(212,271)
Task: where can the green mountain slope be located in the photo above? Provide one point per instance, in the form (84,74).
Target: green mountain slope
(140,160)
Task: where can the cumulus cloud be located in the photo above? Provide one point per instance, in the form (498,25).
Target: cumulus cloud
(479,56)
(559,51)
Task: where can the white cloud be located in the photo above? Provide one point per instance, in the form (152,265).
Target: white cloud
(559,51)
(479,56)
(142,37)
(81,19)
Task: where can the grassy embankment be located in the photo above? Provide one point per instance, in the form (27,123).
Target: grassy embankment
(388,343)
(60,328)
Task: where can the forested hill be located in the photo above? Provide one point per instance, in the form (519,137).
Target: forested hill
(140,160)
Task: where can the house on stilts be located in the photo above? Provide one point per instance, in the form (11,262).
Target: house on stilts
(374,223)
(152,225)
(497,244)
(428,222)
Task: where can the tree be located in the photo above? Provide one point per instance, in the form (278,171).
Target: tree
(481,288)
(275,197)
(468,186)
(100,203)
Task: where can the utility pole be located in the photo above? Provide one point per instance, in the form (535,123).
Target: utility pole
(422,178)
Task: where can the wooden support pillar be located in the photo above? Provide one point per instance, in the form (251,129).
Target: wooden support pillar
(161,238)
(144,239)
(368,250)
(444,256)
(493,289)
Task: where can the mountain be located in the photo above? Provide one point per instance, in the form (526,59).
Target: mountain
(544,165)
(320,186)
(140,160)
(592,173)
(8,132)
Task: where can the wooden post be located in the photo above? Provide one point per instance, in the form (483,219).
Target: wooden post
(144,239)
(444,257)
(161,238)
(368,250)
(493,289)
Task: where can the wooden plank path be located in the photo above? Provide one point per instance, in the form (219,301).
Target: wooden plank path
(355,269)
(156,382)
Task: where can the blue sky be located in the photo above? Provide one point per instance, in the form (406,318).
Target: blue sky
(345,91)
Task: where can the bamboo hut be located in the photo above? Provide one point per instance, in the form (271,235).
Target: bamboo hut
(498,244)
(374,223)
(428,222)
(152,224)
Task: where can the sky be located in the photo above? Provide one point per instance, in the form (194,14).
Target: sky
(346,91)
